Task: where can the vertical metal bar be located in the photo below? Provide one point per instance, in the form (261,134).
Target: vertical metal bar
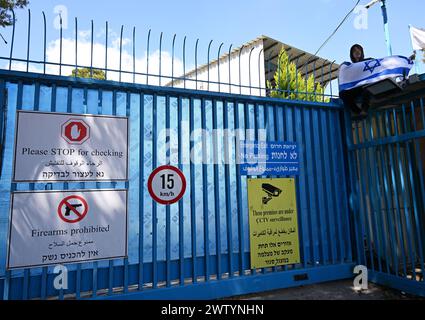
(141,187)
(192,192)
(376,196)
(106,50)
(345,200)
(248,138)
(172,61)
(127,113)
(13,40)
(216,190)
(66,184)
(375,202)
(240,77)
(227,186)
(325,189)
(31,187)
(288,86)
(60,44)
(147,57)
(407,215)
(160,56)
(259,71)
(95,264)
(296,79)
(134,54)
(395,190)
(181,213)
(306,97)
(196,64)
(249,69)
(44,42)
(122,27)
(205,190)
(167,208)
(111,262)
(401,178)
(256,129)
(91,50)
(314,81)
(218,65)
(382,164)
(271,134)
(319,198)
(303,187)
(310,185)
(268,62)
(364,211)
(154,204)
(354,189)
(230,81)
(330,77)
(76,48)
(208,65)
(184,62)
(322,82)
(29,38)
(239,194)
(278,85)
(337,210)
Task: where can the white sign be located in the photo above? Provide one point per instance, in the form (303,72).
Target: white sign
(70,147)
(58,227)
(166,184)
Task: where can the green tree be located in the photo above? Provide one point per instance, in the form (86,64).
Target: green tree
(85,73)
(6,7)
(290,84)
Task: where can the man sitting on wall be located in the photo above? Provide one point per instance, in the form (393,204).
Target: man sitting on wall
(360,72)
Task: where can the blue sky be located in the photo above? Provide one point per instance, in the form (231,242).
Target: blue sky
(303,23)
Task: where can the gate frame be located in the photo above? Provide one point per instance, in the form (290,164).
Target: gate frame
(211,289)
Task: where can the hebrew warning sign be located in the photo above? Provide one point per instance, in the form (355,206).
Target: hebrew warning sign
(70,147)
(273,225)
(58,227)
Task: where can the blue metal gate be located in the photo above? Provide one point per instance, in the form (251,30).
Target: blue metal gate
(198,247)
(386,153)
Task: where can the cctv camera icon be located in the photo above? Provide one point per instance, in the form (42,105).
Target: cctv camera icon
(271,192)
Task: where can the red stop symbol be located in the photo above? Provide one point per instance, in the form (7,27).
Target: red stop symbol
(75,131)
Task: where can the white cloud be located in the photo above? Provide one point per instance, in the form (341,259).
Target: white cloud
(84,59)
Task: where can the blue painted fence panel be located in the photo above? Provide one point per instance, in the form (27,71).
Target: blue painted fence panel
(206,233)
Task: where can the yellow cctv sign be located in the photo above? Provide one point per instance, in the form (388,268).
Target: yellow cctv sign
(273,222)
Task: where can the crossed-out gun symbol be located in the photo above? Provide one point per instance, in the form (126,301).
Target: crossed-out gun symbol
(68,209)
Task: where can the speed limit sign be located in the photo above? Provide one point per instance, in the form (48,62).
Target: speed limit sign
(166,184)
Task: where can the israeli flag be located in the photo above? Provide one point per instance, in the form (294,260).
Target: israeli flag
(353,75)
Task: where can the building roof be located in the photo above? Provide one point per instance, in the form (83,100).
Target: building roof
(307,63)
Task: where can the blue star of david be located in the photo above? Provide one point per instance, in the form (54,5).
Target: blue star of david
(371,65)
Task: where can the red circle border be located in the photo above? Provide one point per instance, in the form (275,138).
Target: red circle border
(82,215)
(167,167)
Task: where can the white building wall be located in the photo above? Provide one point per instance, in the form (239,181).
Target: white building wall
(252,74)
